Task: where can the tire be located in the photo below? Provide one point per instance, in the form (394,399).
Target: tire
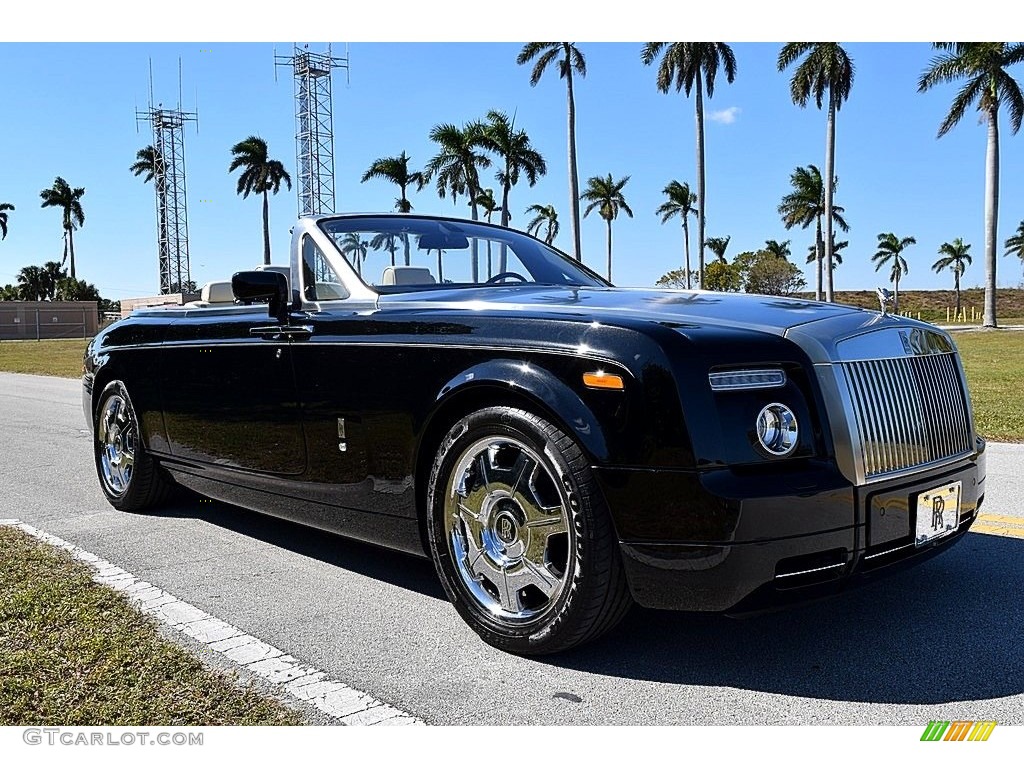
(129,477)
(520,535)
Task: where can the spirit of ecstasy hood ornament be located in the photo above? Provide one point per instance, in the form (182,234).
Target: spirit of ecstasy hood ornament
(885,298)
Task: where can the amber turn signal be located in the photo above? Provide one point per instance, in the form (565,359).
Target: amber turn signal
(602,380)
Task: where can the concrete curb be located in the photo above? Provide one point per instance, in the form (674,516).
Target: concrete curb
(347,705)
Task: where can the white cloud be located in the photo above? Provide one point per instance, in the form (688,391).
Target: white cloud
(725,116)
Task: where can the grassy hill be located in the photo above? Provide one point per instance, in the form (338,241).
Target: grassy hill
(932,304)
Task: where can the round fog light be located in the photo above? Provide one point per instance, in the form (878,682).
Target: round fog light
(777,429)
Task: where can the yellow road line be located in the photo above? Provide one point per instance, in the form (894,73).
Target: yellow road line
(1002,519)
(997,530)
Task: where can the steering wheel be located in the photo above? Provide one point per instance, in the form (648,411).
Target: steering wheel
(504,275)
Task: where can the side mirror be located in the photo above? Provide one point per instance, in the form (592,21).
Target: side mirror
(263,286)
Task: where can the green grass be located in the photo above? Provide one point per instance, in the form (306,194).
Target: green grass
(994,361)
(51,357)
(78,653)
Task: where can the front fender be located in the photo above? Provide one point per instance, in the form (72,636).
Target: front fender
(550,396)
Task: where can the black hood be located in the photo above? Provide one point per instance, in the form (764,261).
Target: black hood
(772,314)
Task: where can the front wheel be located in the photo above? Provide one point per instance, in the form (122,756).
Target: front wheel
(520,535)
(129,477)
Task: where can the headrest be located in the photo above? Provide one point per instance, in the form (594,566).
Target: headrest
(218,293)
(407,276)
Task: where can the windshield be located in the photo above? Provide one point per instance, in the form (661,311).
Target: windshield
(409,253)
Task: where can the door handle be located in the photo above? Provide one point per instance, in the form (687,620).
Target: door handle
(279,332)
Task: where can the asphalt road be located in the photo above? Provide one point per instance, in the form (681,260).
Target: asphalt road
(942,641)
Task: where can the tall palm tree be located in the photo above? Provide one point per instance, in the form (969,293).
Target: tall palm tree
(826,67)
(890,250)
(954,256)
(69,200)
(354,246)
(1015,243)
(147,161)
(984,68)
(571,60)
(260,175)
(777,249)
(485,202)
(717,246)
(388,241)
(686,65)
(455,169)
(605,194)
(396,170)
(814,252)
(517,155)
(546,218)
(804,206)
(680,203)
(4,208)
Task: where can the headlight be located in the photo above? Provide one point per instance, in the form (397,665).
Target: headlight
(777,430)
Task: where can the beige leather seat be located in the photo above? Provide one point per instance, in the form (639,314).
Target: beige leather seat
(407,276)
(217,292)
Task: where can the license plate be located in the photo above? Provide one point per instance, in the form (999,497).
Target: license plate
(938,512)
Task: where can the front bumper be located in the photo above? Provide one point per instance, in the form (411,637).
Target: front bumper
(720,540)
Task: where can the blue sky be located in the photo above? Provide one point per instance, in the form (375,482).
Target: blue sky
(69,110)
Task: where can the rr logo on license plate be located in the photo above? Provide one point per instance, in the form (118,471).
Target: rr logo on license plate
(938,512)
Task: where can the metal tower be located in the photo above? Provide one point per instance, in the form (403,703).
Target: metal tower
(314,126)
(169,182)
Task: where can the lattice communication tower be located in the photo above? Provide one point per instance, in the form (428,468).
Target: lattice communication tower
(168,127)
(314,127)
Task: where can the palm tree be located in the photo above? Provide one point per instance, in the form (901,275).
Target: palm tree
(956,257)
(396,170)
(777,249)
(572,60)
(260,175)
(680,203)
(31,284)
(62,195)
(890,249)
(547,218)
(686,65)
(983,66)
(814,252)
(4,208)
(717,246)
(388,241)
(804,206)
(605,195)
(357,248)
(456,168)
(514,149)
(827,67)
(148,162)
(1015,243)
(485,202)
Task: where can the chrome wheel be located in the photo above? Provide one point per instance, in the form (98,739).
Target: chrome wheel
(506,521)
(117,435)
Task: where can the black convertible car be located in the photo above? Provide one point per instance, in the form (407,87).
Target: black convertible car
(559,447)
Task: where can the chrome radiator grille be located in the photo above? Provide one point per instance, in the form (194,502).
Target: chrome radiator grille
(909,411)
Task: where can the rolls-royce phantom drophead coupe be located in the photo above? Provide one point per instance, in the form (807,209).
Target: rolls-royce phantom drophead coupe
(559,447)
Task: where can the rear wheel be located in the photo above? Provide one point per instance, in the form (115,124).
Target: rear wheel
(520,536)
(129,477)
